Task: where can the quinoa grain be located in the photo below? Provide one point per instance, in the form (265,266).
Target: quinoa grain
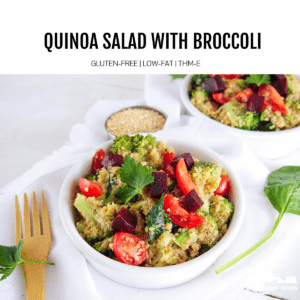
(135,120)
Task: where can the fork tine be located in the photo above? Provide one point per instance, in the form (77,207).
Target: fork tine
(35,216)
(18,222)
(27,223)
(45,217)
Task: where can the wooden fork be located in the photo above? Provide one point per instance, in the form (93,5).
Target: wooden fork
(35,247)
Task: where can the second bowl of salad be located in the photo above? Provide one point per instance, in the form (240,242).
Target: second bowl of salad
(264,110)
(152,211)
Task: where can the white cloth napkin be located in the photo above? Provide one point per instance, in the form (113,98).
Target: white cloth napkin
(73,277)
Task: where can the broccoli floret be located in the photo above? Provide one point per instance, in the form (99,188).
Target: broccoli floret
(103,246)
(290,84)
(199,78)
(249,121)
(208,231)
(242,83)
(239,117)
(86,209)
(92,177)
(181,238)
(143,142)
(99,217)
(135,144)
(207,177)
(122,144)
(221,210)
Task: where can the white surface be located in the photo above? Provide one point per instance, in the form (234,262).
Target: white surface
(25,138)
(265,145)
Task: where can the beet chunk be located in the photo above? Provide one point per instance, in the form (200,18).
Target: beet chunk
(160,184)
(279,82)
(112,160)
(188,159)
(124,221)
(191,202)
(255,104)
(214,84)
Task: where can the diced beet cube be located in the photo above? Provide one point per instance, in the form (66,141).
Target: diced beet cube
(160,184)
(112,160)
(244,76)
(279,82)
(255,104)
(275,77)
(214,84)
(188,159)
(191,202)
(124,221)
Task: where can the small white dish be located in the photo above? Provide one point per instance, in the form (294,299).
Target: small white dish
(160,277)
(265,145)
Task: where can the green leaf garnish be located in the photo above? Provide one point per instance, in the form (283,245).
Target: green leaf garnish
(10,257)
(174,76)
(156,220)
(283,191)
(258,79)
(136,177)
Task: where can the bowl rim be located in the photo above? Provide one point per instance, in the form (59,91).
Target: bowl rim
(90,253)
(193,110)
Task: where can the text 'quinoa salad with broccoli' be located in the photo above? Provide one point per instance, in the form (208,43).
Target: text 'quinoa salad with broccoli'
(269,102)
(144,206)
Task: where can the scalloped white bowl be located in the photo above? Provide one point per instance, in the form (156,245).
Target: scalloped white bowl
(265,145)
(160,277)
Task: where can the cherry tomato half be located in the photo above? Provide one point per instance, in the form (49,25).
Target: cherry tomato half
(97,160)
(184,179)
(89,188)
(223,186)
(129,249)
(172,207)
(179,215)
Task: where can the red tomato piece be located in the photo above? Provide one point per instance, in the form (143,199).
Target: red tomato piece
(223,186)
(220,98)
(184,179)
(179,215)
(97,160)
(193,221)
(129,249)
(168,158)
(272,98)
(244,95)
(172,207)
(226,76)
(89,188)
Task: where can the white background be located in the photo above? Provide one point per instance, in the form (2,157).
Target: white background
(24,24)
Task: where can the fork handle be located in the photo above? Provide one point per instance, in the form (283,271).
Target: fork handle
(35,281)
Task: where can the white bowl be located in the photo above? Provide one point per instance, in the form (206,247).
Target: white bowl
(160,277)
(266,145)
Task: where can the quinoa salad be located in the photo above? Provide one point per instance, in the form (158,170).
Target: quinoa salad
(269,102)
(144,205)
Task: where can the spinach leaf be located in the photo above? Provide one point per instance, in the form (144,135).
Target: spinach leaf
(10,257)
(156,220)
(283,191)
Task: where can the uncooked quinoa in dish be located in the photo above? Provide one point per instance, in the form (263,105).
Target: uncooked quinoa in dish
(144,205)
(269,102)
(138,119)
